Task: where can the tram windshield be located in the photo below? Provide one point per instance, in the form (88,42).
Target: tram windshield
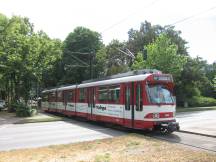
(160,94)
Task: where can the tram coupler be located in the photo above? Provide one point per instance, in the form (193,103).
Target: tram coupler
(167,127)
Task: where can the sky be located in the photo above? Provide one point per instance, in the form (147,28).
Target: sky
(113,18)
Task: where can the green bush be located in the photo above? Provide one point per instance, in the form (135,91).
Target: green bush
(201,101)
(24,111)
(12,106)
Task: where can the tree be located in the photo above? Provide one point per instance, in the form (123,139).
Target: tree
(44,55)
(118,61)
(162,55)
(101,62)
(14,37)
(24,56)
(148,33)
(214,85)
(80,48)
(193,81)
(139,62)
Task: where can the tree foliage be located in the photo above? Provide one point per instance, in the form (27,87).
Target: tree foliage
(193,81)
(148,33)
(139,62)
(117,61)
(80,48)
(24,56)
(162,55)
(101,62)
(214,86)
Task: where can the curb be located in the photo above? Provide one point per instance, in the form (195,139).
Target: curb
(38,121)
(201,134)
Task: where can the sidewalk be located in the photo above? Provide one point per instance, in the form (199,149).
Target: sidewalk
(199,122)
(8,118)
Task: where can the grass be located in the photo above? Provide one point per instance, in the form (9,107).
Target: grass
(132,147)
(102,158)
(190,109)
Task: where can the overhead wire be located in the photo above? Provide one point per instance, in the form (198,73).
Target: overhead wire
(127,17)
(192,16)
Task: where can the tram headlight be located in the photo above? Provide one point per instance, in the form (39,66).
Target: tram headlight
(155,115)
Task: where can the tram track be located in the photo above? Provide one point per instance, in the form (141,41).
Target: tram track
(194,145)
(188,139)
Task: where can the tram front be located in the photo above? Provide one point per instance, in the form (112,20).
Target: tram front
(161,103)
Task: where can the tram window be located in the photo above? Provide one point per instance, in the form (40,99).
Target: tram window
(93,99)
(45,97)
(70,96)
(114,93)
(59,95)
(127,98)
(82,95)
(160,94)
(102,93)
(139,102)
(65,95)
(52,95)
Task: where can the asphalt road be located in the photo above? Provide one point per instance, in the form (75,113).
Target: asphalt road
(16,136)
(32,135)
(203,122)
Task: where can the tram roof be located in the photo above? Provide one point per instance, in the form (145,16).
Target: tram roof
(67,87)
(49,90)
(60,88)
(115,81)
(103,82)
(137,75)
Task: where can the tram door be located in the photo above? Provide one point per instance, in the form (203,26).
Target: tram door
(91,101)
(129,105)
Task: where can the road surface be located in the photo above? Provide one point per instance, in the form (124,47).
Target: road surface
(203,122)
(51,133)
(16,136)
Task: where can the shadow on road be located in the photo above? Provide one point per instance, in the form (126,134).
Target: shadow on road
(116,130)
(100,127)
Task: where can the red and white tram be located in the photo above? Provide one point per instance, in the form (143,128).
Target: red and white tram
(140,100)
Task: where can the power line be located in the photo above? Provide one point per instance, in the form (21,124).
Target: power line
(76,58)
(124,19)
(82,53)
(192,16)
(91,54)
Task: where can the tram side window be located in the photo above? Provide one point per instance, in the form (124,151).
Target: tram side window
(52,96)
(127,98)
(82,95)
(65,96)
(45,97)
(114,93)
(102,94)
(59,95)
(93,97)
(70,96)
(139,102)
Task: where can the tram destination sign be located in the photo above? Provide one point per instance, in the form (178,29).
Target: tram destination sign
(163,78)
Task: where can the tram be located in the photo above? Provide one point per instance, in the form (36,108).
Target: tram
(138,99)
